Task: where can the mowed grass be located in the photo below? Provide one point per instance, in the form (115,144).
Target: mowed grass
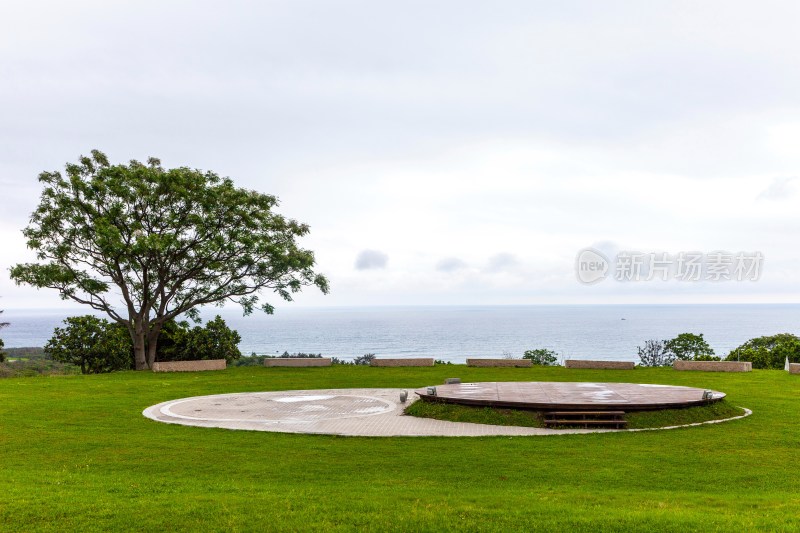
(78,455)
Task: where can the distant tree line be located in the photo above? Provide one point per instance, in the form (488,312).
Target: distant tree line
(768,352)
(258,360)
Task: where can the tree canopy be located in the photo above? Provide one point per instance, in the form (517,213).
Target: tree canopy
(146,244)
(690,347)
(769,351)
(541,356)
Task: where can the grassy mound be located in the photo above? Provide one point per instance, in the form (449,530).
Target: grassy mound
(680,417)
(475,415)
(515,417)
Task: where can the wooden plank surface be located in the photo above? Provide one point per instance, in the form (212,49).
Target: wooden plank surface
(569,395)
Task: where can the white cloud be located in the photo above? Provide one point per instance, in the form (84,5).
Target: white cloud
(371,260)
(531,129)
(450,264)
(502,262)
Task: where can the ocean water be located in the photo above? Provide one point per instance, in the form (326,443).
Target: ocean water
(610,332)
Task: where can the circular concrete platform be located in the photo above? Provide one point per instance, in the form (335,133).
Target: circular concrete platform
(349,412)
(568,396)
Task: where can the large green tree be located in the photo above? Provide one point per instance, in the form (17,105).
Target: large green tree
(769,351)
(690,347)
(145,244)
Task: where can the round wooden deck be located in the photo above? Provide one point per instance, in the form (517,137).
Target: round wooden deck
(567,396)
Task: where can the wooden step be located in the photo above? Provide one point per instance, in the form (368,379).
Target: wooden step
(620,424)
(586,419)
(585,413)
(585,422)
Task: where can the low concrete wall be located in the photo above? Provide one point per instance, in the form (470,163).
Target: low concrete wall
(599,365)
(499,362)
(413,361)
(794,368)
(714,366)
(189,366)
(298,361)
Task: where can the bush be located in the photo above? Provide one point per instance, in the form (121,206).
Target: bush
(768,352)
(301,355)
(654,353)
(94,344)
(541,356)
(178,342)
(690,347)
(364,359)
(36,367)
(251,360)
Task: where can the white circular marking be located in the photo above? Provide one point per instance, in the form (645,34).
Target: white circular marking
(299,414)
(309,398)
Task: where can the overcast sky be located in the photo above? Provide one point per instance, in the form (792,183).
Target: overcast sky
(442,152)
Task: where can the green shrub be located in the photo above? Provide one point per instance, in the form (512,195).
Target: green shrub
(36,367)
(93,344)
(768,352)
(179,342)
(364,359)
(690,347)
(300,355)
(251,360)
(541,356)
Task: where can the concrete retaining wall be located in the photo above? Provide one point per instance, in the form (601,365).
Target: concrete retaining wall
(714,366)
(412,361)
(189,366)
(794,368)
(600,365)
(298,361)
(499,362)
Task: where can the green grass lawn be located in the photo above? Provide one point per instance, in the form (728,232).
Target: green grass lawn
(78,455)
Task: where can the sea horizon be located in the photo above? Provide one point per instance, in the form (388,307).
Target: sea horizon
(455,332)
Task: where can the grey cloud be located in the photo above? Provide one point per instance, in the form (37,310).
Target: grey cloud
(502,262)
(450,264)
(371,260)
(778,189)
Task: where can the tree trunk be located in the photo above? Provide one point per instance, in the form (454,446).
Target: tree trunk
(152,344)
(139,353)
